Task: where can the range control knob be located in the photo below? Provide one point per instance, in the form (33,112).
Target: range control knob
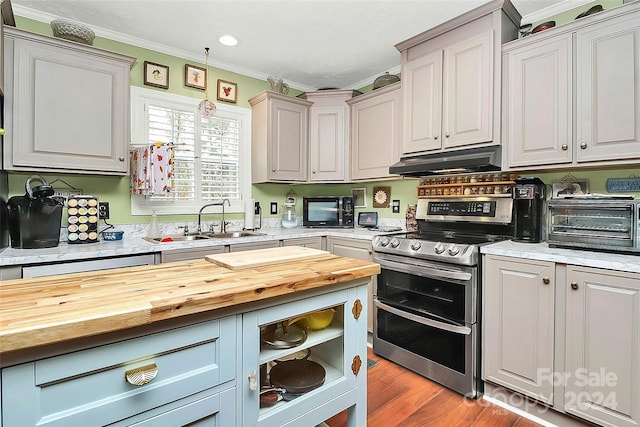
(438,248)
(415,245)
(384,241)
(453,250)
(395,243)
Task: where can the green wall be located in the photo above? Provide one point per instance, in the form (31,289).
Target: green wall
(115,190)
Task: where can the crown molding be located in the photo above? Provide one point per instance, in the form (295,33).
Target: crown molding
(551,11)
(29,13)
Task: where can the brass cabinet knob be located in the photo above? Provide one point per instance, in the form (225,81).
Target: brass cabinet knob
(583,145)
(546,280)
(565,147)
(574,285)
(1,131)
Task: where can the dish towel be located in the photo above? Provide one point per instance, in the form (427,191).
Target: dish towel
(152,169)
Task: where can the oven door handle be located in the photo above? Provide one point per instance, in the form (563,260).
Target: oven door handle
(463,330)
(423,271)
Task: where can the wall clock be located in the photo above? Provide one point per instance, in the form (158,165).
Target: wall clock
(381,197)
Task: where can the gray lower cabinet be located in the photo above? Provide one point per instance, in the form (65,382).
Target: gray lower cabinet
(358,249)
(188,254)
(307,242)
(565,335)
(238,247)
(182,376)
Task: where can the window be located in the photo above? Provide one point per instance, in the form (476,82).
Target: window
(211,154)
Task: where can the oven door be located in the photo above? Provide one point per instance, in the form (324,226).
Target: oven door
(420,314)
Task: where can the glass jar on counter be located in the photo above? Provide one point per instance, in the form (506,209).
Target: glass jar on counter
(289,218)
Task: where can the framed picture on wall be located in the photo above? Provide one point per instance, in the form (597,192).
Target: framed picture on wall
(195,77)
(156,75)
(569,188)
(227,91)
(359,197)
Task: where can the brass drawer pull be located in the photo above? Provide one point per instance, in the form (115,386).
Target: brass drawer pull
(141,376)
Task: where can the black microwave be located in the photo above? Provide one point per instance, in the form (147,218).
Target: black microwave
(327,211)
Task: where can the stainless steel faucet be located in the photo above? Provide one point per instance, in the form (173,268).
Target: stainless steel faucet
(223,224)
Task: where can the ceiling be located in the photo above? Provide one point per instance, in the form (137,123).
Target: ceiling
(311,44)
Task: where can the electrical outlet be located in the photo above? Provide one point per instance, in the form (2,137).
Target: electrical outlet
(395,206)
(274,208)
(256,208)
(103,210)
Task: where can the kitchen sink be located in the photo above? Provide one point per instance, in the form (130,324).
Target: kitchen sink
(171,238)
(233,234)
(174,238)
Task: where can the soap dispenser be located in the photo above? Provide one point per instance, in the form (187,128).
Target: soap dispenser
(153,231)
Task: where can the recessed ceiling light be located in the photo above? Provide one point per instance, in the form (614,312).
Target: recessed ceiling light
(228,40)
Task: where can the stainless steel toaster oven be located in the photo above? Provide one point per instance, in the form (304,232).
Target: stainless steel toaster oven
(598,223)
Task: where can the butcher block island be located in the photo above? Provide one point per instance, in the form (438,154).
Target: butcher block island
(188,343)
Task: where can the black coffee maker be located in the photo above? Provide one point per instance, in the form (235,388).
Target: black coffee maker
(35,218)
(528,207)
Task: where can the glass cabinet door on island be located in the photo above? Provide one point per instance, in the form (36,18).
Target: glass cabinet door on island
(305,361)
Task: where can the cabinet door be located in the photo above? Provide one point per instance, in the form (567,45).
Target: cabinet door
(517,332)
(189,253)
(608,90)
(422,101)
(357,249)
(468,92)
(307,242)
(328,143)
(288,141)
(239,247)
(376,131)
(68,107)
(537,105)
(603,346)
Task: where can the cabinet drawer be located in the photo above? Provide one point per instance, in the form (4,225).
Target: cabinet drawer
(89,386)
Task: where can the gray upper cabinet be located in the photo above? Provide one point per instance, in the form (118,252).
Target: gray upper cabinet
(451,80)
(571,94)
(66,106)
(279,138)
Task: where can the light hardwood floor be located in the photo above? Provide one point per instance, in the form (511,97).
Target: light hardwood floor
(399,397)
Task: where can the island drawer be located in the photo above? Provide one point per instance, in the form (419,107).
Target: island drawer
(96,385)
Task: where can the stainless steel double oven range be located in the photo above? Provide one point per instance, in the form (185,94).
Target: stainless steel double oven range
(427,298)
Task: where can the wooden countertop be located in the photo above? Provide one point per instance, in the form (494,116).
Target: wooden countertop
(51,309)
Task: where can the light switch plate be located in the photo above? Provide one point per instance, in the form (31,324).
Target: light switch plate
(274,208)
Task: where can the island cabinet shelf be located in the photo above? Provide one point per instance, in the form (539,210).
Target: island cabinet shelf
(335,330)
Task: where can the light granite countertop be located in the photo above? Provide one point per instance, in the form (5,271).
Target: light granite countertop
(542,252)
(134,244)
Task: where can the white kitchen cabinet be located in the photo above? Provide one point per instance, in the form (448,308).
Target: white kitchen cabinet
(329,126)
(571,94)
(518,324)
(603,346)
(357,249)
(279,138)
(340,349)
(376,132)
(565,335)
(538,102)
(451,80)
(608,90)
(66,106)
(191,371)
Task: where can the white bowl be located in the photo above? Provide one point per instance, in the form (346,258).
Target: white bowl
(73,31)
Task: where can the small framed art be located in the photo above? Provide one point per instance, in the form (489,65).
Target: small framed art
(156,75)
(227,91)
(359,197)
(569,188)
(195,77)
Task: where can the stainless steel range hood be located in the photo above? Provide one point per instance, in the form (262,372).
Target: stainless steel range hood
(462,161)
